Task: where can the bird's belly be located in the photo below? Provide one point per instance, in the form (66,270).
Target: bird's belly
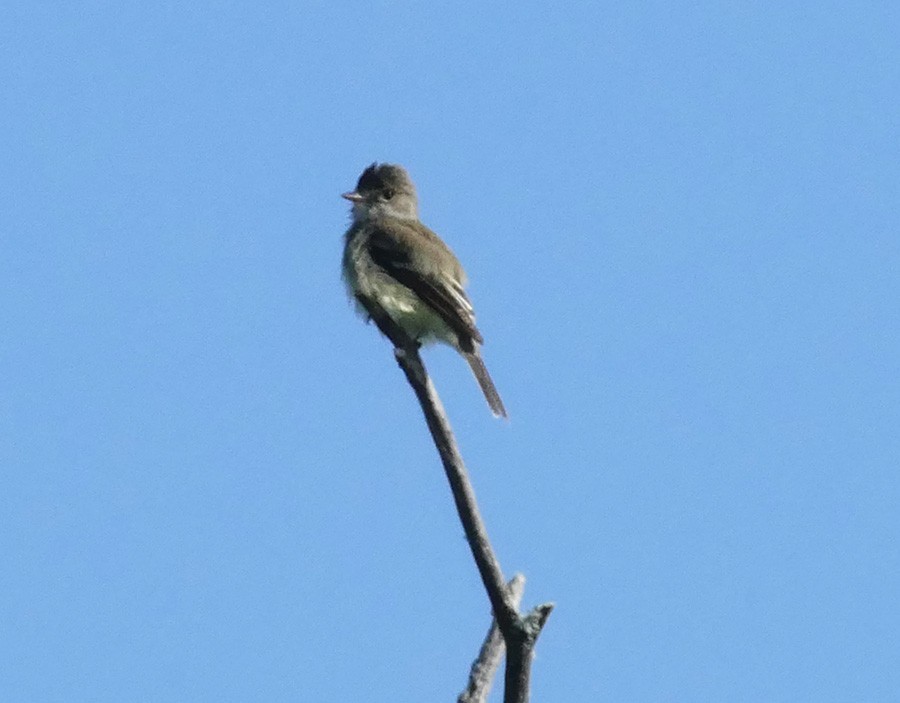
(416,318)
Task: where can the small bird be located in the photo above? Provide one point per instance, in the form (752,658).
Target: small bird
(398,266)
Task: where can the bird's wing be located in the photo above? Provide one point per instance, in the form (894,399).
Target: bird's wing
(401,251)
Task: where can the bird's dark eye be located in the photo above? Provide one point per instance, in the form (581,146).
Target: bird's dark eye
(388,193)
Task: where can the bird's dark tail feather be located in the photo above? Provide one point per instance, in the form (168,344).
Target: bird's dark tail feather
(487,385)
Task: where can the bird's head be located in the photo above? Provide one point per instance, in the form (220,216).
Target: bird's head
(384,190)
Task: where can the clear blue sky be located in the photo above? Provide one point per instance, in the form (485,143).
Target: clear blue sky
(681,225)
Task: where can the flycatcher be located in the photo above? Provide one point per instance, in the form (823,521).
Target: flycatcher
(396,265)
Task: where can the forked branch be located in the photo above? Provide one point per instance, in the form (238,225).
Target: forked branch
(519,632)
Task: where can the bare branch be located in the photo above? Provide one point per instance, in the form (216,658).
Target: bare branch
(519,634)
(463,493)
(520,652)
(481,677)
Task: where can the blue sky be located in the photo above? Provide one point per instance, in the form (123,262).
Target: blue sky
(681,225)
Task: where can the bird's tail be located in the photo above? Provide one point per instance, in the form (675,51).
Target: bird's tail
(487,385)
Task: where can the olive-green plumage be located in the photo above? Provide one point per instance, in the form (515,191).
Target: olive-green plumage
(395,263)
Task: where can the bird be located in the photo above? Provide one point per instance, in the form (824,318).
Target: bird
(395,265)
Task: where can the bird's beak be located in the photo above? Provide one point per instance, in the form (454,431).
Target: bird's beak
(353,197)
